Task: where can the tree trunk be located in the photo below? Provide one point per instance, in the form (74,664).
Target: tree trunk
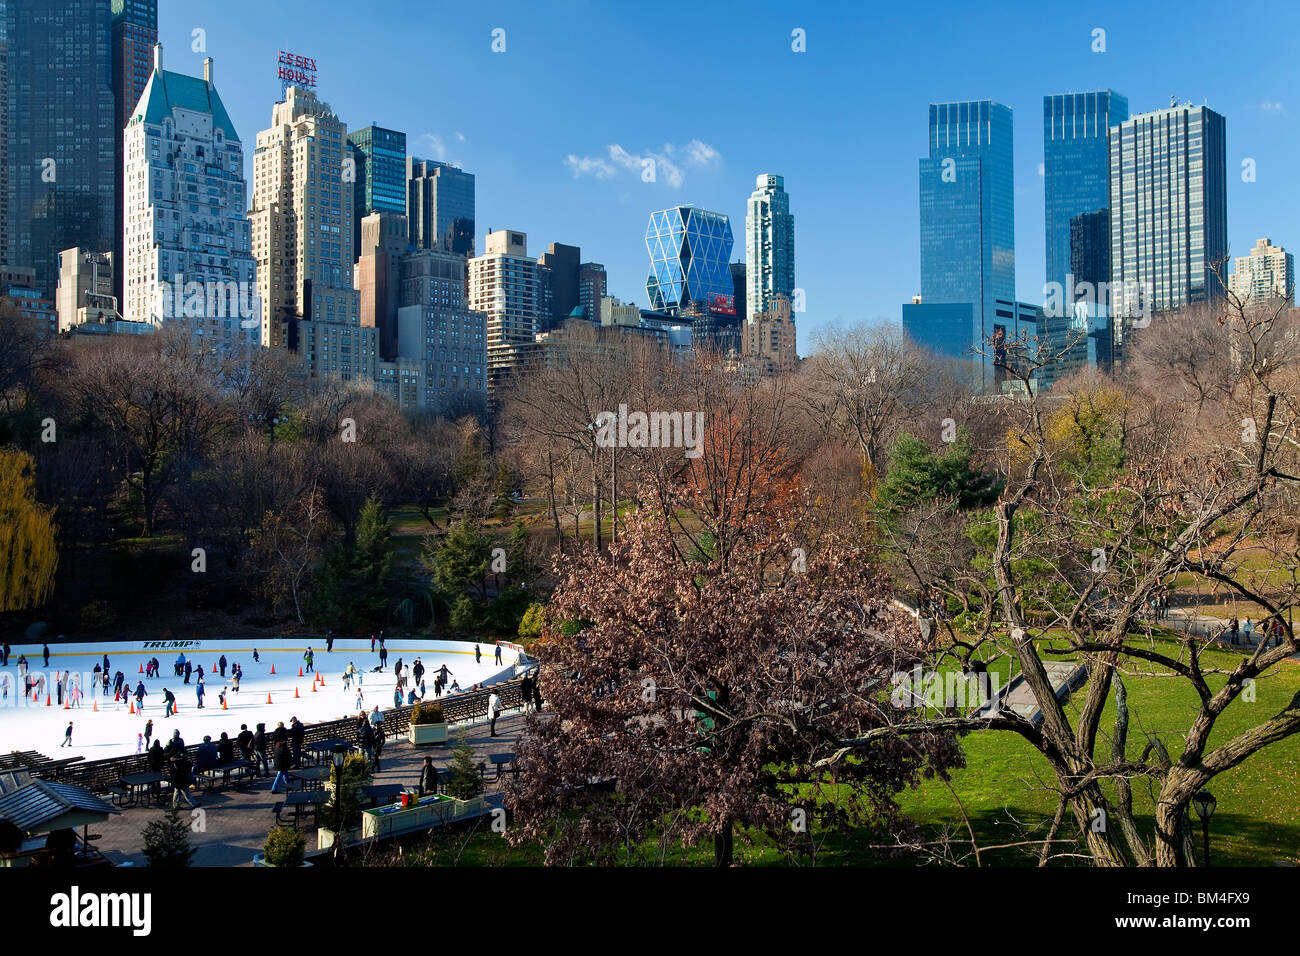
(1174,841)
(723,845)
(550,493)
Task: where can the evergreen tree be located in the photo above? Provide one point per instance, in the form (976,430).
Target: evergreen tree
(167,842)
(352,587)
(465,782)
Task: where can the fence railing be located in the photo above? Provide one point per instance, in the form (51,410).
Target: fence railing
(100,775)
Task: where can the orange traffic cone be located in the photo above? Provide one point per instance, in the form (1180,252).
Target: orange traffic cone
(272,668)
(176,708)
(299,671)
(313,687)
(130,707)
(223,704)
(66,705)
(94,705)
(268,698)
(295,693)
(47,700)
(141,668)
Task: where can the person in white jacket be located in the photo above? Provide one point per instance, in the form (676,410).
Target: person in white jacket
(494,711)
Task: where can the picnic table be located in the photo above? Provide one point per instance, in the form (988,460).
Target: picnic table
(500,760)
(298,799)
(322,749)
(309,778)
(239,767)
(139,787)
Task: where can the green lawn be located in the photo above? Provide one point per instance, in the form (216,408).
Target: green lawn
(1258,816)
(1005,789)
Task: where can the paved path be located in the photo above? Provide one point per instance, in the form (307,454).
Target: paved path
(237,823)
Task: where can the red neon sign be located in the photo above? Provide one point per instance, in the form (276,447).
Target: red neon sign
(297,70)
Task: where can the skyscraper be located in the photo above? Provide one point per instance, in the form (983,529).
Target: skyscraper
(134,33)
(504,284)
(302,217)
(592,285)
(1168,209)
(61,132)
(690,259)
(185,229)
(769,245)
(968,246)
(437,331)
(380,158)
(1076,166)
(383,242)
(562,261)
(1267,273)
(440,206)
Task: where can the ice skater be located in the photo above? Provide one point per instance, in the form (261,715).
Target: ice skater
(329,641)
(67,736)
(140,695)
(148,732)
(234,683)
(169,702)
(139,744)
(309,657)
(198,692)
(361,701)
(478,654)
(256,659)
(45,652)
(498,655)
(222,664)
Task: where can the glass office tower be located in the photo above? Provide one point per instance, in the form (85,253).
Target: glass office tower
(769,245)
(1076,166)
(440,206)
(1169,208)
(968,245)
(380,156)
(61,131)
(690,258)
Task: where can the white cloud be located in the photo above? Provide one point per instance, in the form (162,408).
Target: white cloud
(1042,170)
(433,146)
(667,161)
(1273,106)
(702,154)
(589,166)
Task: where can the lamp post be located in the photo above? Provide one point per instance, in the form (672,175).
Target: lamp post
(1204,803)
(338,756)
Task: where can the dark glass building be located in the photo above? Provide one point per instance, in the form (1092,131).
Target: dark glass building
(690,259)
(440,206)
(134,32)
(380,157)
(61,126)
(562,261)
(968,245)
(1076,167)
(1168,209)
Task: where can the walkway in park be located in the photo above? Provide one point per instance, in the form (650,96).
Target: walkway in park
(237,823)
(1186,619)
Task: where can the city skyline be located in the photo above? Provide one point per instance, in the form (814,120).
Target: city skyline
(865,168)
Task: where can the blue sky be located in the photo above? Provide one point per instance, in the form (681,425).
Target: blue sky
(553,127)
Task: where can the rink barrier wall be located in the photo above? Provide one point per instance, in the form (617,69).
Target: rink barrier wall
(100,775)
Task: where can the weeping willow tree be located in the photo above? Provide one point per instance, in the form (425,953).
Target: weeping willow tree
(28,555)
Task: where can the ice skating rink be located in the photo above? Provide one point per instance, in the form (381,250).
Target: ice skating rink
(111,730)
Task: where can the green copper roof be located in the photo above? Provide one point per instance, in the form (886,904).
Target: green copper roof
(167,90)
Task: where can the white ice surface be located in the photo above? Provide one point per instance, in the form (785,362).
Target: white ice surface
(112,731)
